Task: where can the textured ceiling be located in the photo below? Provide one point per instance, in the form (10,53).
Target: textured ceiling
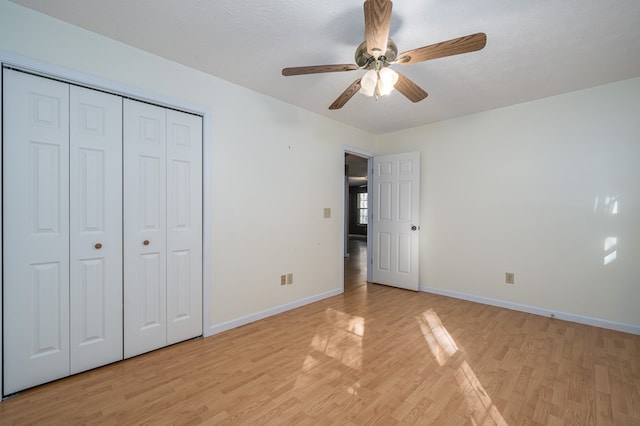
(534,49)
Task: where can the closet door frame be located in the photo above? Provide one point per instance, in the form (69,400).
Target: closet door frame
(1,245)
(23,63)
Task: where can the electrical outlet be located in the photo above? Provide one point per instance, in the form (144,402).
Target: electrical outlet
(290,278)
(283,280)
(509,278)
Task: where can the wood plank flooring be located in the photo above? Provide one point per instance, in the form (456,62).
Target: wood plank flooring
(374,355)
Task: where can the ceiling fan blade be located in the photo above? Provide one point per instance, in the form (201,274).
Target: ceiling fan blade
(412,91)
(316,69)
(377,21)
(456,46)
(346,95)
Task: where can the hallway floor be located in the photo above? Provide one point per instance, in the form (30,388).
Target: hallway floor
(355,265)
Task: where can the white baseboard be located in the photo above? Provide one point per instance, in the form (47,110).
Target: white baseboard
(580,319)
(228,325)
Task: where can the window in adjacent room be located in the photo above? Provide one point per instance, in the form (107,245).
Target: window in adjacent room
(363,211)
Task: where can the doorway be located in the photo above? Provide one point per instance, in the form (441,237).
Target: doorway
(356,217)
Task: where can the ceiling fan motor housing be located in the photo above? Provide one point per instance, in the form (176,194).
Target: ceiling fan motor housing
(366,61)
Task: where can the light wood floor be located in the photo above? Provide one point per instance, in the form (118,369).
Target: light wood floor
(375,355)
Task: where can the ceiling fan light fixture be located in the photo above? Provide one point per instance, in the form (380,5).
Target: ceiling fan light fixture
(378,82)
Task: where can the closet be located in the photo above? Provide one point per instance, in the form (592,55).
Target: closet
(163,227)
(102,228)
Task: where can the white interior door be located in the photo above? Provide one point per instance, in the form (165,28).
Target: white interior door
(36,230)
(96,228)
(145,245)
(395,227)
(184,226)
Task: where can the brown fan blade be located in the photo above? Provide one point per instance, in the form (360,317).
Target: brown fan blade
(377,21)
(412,91)
(346,95)
(465,44)
(316,69)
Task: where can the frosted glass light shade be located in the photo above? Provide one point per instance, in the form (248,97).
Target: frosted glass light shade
(368,83)
(388,79)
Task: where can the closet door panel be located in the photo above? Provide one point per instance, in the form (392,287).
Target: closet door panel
(96,228)
(145,288)
(36,234)
(184,226)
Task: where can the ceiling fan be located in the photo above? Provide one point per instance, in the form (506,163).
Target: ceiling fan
(377,52)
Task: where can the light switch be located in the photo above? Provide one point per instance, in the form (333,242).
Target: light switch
(327,213)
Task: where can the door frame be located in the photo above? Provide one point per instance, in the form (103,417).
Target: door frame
(91,81)
(345,193)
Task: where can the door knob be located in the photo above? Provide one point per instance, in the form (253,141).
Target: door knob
(146,242)
(98,246)
(414,228)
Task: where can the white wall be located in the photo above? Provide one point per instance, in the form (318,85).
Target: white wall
(524,189)
(273,167)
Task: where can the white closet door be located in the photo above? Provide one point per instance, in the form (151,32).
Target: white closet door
(145,245)
(96,228)
(36,230)
(184,226)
